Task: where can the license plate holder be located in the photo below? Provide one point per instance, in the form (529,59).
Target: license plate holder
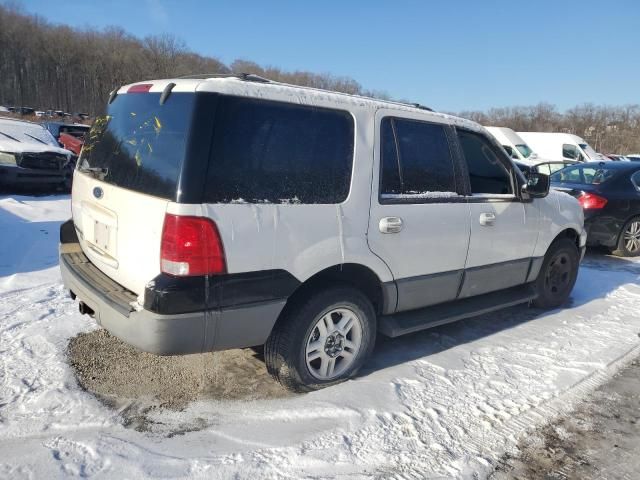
(101,235)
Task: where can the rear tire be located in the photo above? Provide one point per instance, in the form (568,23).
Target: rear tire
(322,340)
(558,274)
(629,239)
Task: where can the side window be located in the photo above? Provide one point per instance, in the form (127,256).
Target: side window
(416,160)
(569,151)
(487,174)
(276,152)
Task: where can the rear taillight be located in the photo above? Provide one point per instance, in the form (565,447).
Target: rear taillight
(191,246)
(592,201)
(140,88)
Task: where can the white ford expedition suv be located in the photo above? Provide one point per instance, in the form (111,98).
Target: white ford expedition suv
(212,213)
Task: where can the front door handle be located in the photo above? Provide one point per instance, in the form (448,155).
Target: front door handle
(487,219)
(390,224)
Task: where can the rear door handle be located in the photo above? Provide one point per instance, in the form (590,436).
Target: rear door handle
(487,219)
(390,225)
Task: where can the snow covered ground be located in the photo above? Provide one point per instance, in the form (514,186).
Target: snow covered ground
(448,402)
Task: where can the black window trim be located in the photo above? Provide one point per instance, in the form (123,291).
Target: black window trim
(455,160)
(517,180)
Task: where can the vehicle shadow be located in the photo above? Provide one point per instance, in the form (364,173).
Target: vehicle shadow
(26,246)
(599,276)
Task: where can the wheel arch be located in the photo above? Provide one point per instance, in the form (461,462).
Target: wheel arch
(624,224)
(570,233)
(382,296)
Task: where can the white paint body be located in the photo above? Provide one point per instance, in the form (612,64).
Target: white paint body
(306,239)
(550,145)
(507,137)
(29,138)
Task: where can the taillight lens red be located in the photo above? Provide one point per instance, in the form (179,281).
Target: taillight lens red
(140,88)
(191,246)
(592,201)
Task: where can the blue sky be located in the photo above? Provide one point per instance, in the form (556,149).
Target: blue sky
(451,55)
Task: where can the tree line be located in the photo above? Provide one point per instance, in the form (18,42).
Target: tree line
(57,67)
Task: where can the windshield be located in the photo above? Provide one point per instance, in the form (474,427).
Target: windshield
(140,144)
(24,132)
(586,148)
(583,175)
(524,149)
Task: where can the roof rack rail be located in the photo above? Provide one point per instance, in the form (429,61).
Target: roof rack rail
(421,107)
(249,77)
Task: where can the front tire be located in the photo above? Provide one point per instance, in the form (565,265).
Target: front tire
(322,340)
(629,240)
(558,274)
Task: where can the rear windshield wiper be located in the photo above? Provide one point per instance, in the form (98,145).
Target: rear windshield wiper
(99,172)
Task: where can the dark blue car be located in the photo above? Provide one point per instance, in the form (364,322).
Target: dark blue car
(609,193)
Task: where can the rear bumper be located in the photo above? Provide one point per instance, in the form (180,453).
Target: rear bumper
(30,176)
(603,230)
(174,334)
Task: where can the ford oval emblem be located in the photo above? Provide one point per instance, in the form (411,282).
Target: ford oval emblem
(98,193)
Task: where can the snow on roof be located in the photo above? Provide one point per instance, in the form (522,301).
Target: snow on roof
(236,85)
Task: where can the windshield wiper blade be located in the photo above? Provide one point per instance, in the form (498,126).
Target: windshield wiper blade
(36,139)
(10,137)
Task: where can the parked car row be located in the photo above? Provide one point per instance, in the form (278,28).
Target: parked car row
(44,113)
(549,149)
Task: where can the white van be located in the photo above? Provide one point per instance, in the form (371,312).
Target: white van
(561,146)
(515,145)
(218,212)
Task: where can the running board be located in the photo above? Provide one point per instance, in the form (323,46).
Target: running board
(416,320)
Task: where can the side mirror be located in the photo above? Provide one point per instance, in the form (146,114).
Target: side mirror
(537,185)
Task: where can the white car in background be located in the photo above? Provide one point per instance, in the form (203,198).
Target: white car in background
(29,155)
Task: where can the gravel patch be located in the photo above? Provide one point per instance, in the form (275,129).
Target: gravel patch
(137,382)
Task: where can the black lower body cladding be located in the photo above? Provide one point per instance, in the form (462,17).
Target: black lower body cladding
(166,294)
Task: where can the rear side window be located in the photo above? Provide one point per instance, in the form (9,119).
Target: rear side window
(274,152)
(415,160)
(487,175)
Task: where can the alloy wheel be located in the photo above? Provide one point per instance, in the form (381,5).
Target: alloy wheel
(334,343)
(631,236)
